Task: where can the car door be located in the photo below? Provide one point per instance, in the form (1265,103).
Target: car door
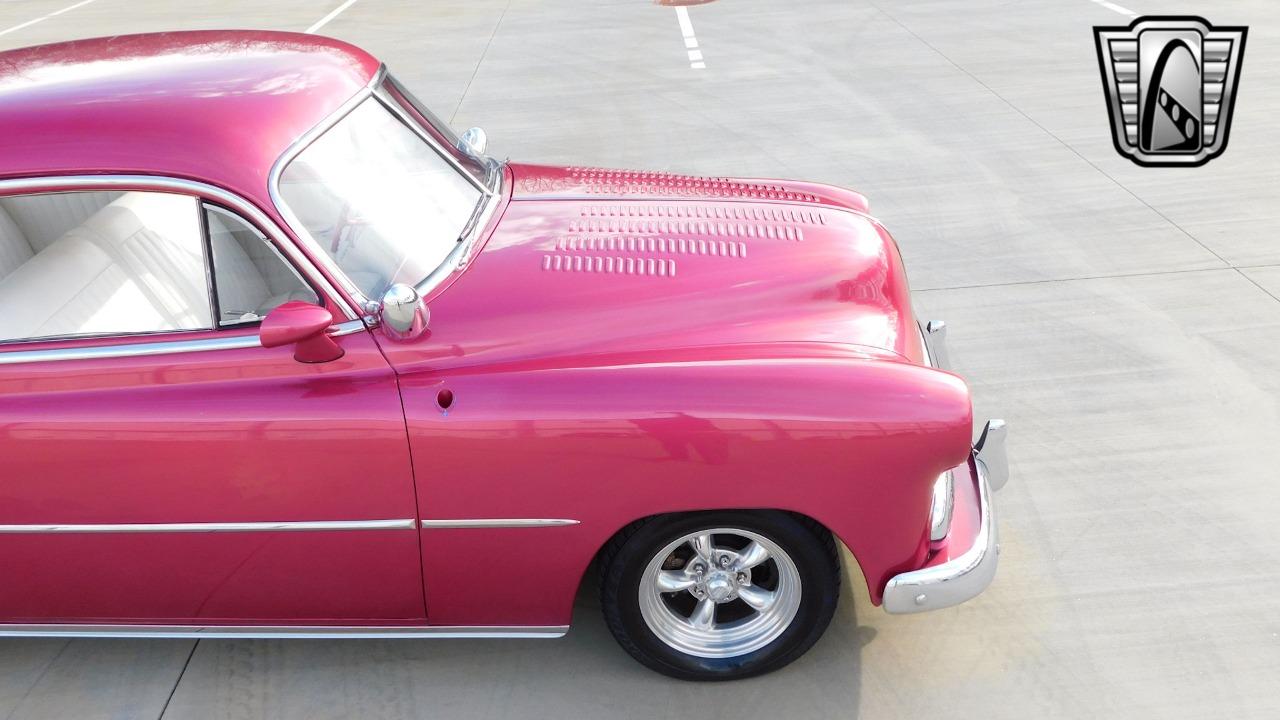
(157,464)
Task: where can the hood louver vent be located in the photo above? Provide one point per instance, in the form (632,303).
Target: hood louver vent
(657,267)
(646,239)
(603,181)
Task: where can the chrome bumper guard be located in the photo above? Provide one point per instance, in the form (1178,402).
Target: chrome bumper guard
(934,336)
(966,576)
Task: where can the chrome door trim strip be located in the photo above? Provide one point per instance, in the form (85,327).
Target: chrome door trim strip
(238,342)
(212,527)
(440,632)
(167,347)
(72,183)
(497,523)
(349,327)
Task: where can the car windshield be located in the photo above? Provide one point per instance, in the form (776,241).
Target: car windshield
(478,167)
(378,199)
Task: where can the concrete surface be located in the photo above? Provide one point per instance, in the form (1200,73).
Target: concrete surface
(1124,320)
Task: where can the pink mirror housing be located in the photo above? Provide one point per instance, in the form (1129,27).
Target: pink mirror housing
(303,325)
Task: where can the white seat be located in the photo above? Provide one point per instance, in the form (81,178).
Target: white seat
(14,247)
(251,279)
(136,265)
(241,287)
(45,217)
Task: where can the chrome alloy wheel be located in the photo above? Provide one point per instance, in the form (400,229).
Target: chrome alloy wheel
(720,593)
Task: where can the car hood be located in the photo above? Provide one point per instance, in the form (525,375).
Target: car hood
(638,266)
(549,182)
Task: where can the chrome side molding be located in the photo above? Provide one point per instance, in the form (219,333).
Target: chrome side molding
(285,526)
(497,523)
(213,527)
(283,631)
(990,453)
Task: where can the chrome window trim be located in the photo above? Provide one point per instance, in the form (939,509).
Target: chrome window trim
(166,347)
(388,101)
(207,207)
(455,260)
(199,190)
(291,152)
(497,523)
(213,527)
(129,350)
(335,632)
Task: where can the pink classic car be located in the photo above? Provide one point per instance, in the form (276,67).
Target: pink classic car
(226,410)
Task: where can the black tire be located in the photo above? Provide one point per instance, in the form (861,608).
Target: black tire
(624,560)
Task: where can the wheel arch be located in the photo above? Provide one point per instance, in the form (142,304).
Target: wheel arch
(594,569)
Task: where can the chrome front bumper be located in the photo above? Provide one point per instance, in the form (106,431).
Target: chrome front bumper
(965,576)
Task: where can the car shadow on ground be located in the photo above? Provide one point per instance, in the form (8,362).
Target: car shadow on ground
(584,674)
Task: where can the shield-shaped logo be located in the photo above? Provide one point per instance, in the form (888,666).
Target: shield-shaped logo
(1170,84)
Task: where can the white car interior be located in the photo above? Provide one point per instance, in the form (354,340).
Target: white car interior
(95,263)
(251,277)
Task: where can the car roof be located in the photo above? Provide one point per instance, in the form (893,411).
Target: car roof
(215,106)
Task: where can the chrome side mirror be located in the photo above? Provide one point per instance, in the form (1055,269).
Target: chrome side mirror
(473,142)
(403,314)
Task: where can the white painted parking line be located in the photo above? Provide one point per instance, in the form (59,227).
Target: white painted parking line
(1116,8)
(690,40)
(42,18)
(325,20)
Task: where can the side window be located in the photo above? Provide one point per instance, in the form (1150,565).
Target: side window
(95,263)
(249,277)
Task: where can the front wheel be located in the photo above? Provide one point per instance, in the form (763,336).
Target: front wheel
(720,595)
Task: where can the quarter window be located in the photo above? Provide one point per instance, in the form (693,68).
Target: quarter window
(250,277)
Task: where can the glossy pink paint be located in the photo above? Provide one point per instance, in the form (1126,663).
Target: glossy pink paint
(767,364)
(247,435)
(304,327)
(622,344)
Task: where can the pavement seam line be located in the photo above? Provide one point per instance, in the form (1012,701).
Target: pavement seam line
(1046,281)
(1059,140)
(1257,284)
(479,62)
(178,680)
(43,671)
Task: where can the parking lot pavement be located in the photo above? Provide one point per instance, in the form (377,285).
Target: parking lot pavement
(1124,320)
